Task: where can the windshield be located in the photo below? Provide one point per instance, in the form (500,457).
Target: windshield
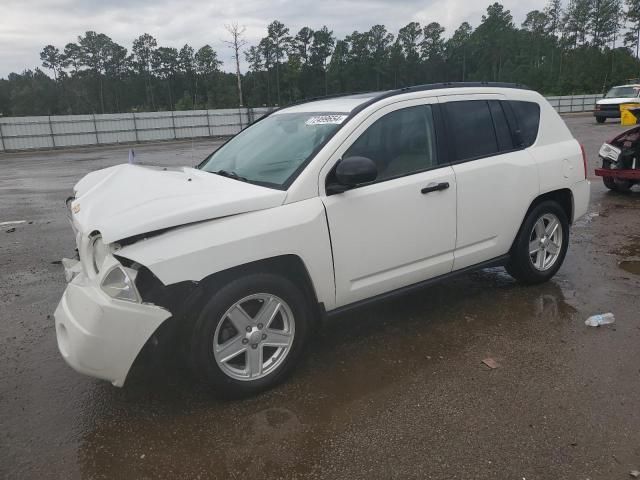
(622,92)
(272,150)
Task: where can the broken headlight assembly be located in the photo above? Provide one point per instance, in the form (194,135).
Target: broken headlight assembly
(119,283)
(99,252)
(609,152)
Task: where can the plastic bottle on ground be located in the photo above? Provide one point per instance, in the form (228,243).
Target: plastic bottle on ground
(599,320)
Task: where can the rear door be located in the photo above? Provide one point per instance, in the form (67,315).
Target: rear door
(496,176)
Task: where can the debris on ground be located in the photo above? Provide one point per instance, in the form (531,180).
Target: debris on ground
(599,320)
(12,222)
(11,230)
(635,473)
(491,363)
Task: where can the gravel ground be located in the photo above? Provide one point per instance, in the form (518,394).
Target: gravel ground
(395,391)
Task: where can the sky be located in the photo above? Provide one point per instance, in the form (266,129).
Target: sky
(26,26)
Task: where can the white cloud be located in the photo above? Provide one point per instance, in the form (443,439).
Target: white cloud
(28,25)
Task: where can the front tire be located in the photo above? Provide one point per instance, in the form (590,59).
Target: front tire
(601,119)
(541,244)
(250,334)
(614,184)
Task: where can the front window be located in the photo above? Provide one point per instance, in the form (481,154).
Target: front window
(272,151)
(622,92)
(400,143)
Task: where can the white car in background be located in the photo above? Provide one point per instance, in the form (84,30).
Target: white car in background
(318,208)
(609,106)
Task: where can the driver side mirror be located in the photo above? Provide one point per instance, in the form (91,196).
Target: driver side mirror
(351,172)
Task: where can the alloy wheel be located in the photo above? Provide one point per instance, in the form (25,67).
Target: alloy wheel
(545,242)
(254,337)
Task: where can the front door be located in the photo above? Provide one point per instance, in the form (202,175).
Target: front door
(400,229)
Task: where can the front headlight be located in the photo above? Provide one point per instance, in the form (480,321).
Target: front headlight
(99,252)
(610,152)
(118,284)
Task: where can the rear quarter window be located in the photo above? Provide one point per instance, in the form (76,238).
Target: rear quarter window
(528,119)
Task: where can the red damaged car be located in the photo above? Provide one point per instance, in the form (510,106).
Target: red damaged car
(621,160)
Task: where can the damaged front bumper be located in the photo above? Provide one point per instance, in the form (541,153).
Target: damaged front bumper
(98,335)
(623,174)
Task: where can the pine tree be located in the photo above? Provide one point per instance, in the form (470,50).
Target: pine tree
(554,13)
(603,21)
(577,20)
(632,16)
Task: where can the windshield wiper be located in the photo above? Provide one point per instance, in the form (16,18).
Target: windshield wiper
(234,175)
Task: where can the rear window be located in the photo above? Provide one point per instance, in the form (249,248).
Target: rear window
(471,129)
(503,133)
(528,119)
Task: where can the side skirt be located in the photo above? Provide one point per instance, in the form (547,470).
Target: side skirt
(496,262)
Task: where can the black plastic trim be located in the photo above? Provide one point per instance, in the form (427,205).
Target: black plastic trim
(442,144)
(516,133)
(496,262)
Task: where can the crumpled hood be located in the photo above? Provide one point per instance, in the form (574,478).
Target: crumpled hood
(128,200)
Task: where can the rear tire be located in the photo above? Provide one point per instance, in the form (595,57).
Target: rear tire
(250,334)
(601,119)
(541,245)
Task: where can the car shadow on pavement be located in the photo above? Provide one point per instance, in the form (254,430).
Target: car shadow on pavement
(163,421)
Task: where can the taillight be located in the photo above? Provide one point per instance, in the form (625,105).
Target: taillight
(584,160)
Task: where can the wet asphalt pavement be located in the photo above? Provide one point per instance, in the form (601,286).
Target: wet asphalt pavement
(394,391)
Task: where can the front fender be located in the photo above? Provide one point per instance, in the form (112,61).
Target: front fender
(196,251)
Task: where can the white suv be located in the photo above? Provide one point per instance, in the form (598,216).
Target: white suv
(317,208)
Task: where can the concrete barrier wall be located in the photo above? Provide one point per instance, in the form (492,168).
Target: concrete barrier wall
(60,131)
(574,103)
(27,133)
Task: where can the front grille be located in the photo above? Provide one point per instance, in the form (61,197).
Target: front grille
(608,108)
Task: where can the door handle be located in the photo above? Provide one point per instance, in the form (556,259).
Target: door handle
(434,187)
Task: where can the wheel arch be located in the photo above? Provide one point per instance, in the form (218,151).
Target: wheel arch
(562,196)
(186,299)
(290,266)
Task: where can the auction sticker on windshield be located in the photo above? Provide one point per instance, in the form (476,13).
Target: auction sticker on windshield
(326,120)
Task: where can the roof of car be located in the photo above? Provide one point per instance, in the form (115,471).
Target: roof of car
(350,103)
(335,104)
(635,85)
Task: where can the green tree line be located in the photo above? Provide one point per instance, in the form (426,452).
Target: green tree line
(571,47)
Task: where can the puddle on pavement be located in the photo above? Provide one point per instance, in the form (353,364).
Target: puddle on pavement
(631,266)
(630,256)
(357,363)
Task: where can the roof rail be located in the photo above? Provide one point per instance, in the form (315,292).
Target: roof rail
(436,86)
(414,88)
(326,97)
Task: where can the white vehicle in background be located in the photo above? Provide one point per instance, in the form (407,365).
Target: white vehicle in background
(609,106)
(315,209)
